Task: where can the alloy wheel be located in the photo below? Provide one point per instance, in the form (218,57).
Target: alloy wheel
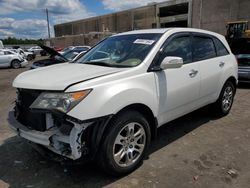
(227,98)
(129,144)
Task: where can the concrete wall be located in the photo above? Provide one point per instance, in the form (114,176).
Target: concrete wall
(74,40)
(139,18)
(213,15)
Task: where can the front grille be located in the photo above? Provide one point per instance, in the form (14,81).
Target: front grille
(30,119)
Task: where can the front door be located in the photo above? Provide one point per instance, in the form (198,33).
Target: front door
(178,88)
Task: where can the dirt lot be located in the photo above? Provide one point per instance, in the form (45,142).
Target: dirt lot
(194,151)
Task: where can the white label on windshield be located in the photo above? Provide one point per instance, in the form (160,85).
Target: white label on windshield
(144,41)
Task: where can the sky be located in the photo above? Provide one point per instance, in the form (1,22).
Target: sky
(27,18)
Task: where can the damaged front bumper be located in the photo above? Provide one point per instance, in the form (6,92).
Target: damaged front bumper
(70,145)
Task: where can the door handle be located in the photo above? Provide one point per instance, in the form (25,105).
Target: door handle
(221,64)
(193,73)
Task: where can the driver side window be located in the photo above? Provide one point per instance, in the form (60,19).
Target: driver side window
(179,47)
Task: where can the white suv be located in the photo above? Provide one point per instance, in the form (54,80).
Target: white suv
(109,103)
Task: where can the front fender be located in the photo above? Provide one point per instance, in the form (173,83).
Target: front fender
(110,98)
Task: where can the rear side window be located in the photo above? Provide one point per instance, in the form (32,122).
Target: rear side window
(179,47)
(221,49)
(203,48)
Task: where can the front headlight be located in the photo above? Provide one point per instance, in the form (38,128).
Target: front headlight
(63,102)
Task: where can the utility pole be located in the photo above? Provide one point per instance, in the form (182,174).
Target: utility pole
(47,14)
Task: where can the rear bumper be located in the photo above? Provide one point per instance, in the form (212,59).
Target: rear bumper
(244,76)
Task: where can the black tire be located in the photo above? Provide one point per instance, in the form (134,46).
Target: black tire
(15,64)
(219,106)
(106,158)
(29,57)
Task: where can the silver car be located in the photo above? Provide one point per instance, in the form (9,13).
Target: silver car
(11,59)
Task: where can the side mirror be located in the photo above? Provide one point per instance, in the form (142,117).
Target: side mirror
(171,62)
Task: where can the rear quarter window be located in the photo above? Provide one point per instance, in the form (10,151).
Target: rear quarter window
(220,48)
(203,48)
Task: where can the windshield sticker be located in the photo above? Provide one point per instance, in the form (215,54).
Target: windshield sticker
(144,41)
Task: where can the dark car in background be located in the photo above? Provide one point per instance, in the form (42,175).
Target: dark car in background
(55,57)
(241,49)
(243,67)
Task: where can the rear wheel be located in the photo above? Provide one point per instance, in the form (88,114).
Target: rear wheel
(224,103)
(15,64)
(125,143)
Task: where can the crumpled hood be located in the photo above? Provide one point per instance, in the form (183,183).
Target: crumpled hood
(58,77)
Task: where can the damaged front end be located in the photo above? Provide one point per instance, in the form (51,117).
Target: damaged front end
(64,135)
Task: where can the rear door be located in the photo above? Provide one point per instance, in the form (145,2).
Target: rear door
(211,67)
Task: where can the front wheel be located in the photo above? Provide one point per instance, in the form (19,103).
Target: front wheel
(125,143)
(15,64)
(29,57)
(225,101)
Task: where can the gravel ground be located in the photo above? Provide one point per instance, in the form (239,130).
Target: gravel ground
(196,150)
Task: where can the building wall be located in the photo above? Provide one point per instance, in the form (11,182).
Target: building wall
(118,22)
(213,15)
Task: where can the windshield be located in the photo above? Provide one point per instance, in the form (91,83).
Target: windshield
(70,55)
(59,58)
(121,51)
(67,50)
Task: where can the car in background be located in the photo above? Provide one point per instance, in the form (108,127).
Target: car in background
(58,49)
(35,49)
(9,58)
(243,67)
(76,49)
(55,57)
(25,54)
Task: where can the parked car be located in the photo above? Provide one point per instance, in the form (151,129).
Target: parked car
(76,49)
(58,49)
(54,58)
(109,103)
(28,55)
(11,59)
(35,49)
(25,54)
(243,67)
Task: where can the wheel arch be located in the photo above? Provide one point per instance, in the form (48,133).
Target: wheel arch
(15,60)
(233,80)
(146,112)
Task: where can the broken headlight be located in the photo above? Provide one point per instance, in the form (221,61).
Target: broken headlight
(63,102)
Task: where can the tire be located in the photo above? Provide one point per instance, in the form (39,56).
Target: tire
(225,101)
(118,141)
(15,64)
(29,58)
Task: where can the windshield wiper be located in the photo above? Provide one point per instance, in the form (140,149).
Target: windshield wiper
(100,63)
